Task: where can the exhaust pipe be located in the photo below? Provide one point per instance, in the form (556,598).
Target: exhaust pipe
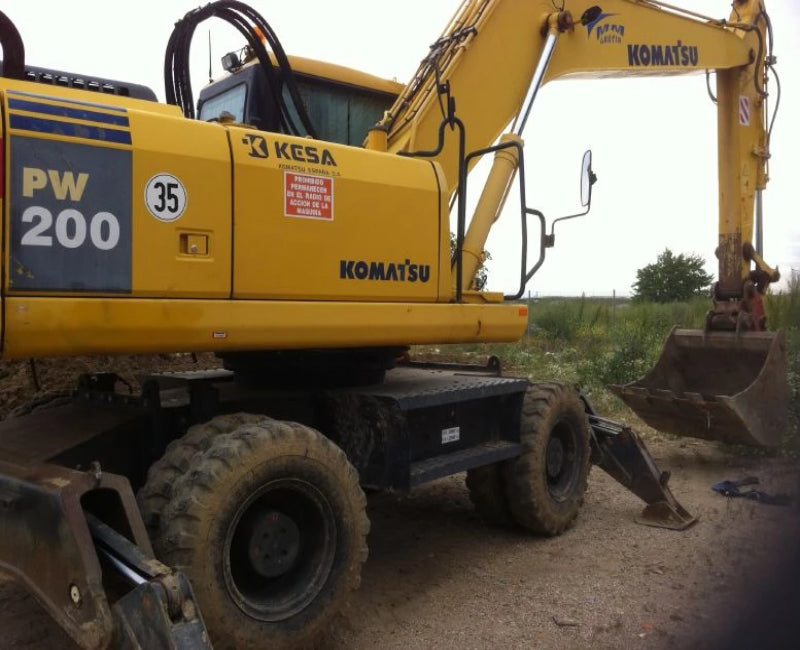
(13,49)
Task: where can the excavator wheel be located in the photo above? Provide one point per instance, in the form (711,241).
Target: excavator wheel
(546,483)
(488,494)
(161,477)
(269,523)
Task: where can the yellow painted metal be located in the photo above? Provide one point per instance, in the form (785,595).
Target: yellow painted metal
(191,151)
(322,221)
(765,268)
(377,139)
(508,35)
(489,207)
(743,154)
(488,71)
(605,54)
(339,73)
(344,75)
(198,155)
(37,327)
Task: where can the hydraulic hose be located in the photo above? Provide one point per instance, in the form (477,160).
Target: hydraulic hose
(177,80)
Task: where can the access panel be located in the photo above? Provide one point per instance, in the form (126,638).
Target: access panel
(315,220)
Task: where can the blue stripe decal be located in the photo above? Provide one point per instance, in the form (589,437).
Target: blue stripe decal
(70,129)
(74,102)
(64,111)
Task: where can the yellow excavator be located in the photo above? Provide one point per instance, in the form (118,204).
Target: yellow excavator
(296,222)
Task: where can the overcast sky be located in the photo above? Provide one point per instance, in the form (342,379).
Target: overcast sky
(654,140)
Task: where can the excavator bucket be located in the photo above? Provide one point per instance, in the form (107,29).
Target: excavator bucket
(716,386)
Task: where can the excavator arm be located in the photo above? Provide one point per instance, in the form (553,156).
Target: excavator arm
(486,69)
(494,55)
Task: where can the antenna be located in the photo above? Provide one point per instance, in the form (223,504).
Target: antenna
(209,57)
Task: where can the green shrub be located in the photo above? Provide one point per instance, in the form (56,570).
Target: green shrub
(783,308)
(628,354)
(558,320)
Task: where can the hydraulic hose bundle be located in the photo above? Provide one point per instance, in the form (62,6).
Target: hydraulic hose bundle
(177,80)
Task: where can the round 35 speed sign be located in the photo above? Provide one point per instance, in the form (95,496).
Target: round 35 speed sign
(165,197)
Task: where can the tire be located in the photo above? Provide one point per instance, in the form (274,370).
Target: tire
(157,490)
(269,524)
(487,493)
(546,483)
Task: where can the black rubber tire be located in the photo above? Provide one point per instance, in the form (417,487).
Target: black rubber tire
(157,490)
(545,498)
(487,492)
(245,484)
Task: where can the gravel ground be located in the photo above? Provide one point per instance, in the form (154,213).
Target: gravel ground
(437,577)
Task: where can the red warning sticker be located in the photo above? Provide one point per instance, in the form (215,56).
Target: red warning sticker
(307,196)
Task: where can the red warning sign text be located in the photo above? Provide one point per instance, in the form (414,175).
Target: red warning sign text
(307,196)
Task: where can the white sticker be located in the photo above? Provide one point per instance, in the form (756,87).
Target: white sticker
(165,197)
(744,110)
(452,434)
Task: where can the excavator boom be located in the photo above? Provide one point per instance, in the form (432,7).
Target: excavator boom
(484,52)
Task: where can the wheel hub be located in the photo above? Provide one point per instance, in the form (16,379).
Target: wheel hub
(280,548)
(274,544)
(555,457)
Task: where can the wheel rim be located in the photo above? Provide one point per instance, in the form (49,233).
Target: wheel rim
(279,549)
(561,461)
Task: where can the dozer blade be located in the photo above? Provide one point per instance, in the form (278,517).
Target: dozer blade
(724,386)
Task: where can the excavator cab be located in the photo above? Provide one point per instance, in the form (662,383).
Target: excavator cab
(724,386)
(342,103)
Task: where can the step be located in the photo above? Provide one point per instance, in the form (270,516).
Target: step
(487,453)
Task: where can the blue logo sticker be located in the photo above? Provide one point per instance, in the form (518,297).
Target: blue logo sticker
(606,31)
(678,55)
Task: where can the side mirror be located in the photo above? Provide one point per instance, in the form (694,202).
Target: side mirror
(588,178)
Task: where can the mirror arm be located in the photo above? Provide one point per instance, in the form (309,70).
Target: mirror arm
(550,240)
(552,236)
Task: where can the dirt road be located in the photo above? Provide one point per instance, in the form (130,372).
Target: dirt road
(439,578)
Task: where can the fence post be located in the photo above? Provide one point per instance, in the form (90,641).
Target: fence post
(614,309)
